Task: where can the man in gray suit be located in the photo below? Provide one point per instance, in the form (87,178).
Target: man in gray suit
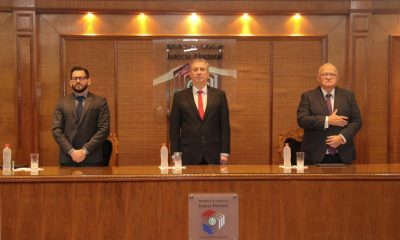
(81,123)
(330,118)
(199,122)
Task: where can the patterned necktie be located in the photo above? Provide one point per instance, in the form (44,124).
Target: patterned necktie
(200,104)
(328,102)
(331,150)
(79,107)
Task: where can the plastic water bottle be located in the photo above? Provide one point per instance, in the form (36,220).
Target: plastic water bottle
(286,156)
(7,157)
(164,156)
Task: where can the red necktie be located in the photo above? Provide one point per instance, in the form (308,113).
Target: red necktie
(328,96)
(200,104)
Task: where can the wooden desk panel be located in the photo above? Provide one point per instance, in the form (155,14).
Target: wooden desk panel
(355,202)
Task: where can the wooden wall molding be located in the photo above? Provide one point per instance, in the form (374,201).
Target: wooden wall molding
(28,85)
(25,22)
(6,5)
(205,7)
(375,6)
(358,75)
(360,23)
(393,109)
(23,4)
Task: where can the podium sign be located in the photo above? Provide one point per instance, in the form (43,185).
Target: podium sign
(214,216)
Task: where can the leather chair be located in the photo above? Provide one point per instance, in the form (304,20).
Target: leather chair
(110,150)
(293,136)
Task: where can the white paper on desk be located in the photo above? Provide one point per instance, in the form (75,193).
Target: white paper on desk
(172,167)
(293,167)
(25,169)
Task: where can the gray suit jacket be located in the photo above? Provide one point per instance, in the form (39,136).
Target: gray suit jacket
(197,138)
(90,132)
(311,115)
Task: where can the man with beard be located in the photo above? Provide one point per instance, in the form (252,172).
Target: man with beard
(81,123)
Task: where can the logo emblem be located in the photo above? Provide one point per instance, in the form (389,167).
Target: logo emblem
(212,221)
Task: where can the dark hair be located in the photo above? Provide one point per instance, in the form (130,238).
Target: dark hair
(77,68)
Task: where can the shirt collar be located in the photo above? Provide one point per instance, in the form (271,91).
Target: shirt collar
(325,92)
(204,90)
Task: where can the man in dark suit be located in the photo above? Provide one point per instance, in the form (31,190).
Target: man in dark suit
(330,118)
(81,123)
(199,122)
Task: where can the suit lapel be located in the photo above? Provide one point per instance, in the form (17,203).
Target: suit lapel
(88,101)
(338,99)
(322,102)
(72,106)
(210,101)
(190,99)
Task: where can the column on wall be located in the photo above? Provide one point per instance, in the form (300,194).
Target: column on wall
(27,85)
(358,75)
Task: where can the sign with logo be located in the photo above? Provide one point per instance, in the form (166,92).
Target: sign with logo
(214,216)
(188,49)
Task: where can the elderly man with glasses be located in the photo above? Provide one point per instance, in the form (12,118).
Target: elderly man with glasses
(330,118)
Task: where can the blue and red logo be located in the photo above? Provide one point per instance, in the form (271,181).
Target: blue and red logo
(212,221)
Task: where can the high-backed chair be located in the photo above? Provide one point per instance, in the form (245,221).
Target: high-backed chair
(110,150)
(294,137)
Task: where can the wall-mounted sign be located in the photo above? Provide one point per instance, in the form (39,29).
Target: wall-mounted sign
(189,49)
(214,216)
(172,56)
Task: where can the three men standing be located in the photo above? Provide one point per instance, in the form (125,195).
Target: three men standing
(199,121)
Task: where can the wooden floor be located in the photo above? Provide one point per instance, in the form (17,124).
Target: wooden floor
(352,202)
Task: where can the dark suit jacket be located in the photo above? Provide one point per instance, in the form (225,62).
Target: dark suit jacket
(196,138)
(311,115)
(90,132)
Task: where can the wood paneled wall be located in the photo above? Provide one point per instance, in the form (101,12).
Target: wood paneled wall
(276,61)
(293,74)
(394,101)
(27,85)
(8,81)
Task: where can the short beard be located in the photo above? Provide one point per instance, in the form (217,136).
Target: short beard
(80,90)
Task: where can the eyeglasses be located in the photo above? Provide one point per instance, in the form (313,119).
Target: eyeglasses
(328,74)
(74,79)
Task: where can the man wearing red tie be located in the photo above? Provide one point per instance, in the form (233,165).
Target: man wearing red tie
(199,123)
(330,118)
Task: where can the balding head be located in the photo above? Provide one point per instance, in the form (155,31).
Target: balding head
(328,76)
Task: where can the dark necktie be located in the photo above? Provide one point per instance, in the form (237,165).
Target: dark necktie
(328,96)
(328,102)
(200,104)
(79,107)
